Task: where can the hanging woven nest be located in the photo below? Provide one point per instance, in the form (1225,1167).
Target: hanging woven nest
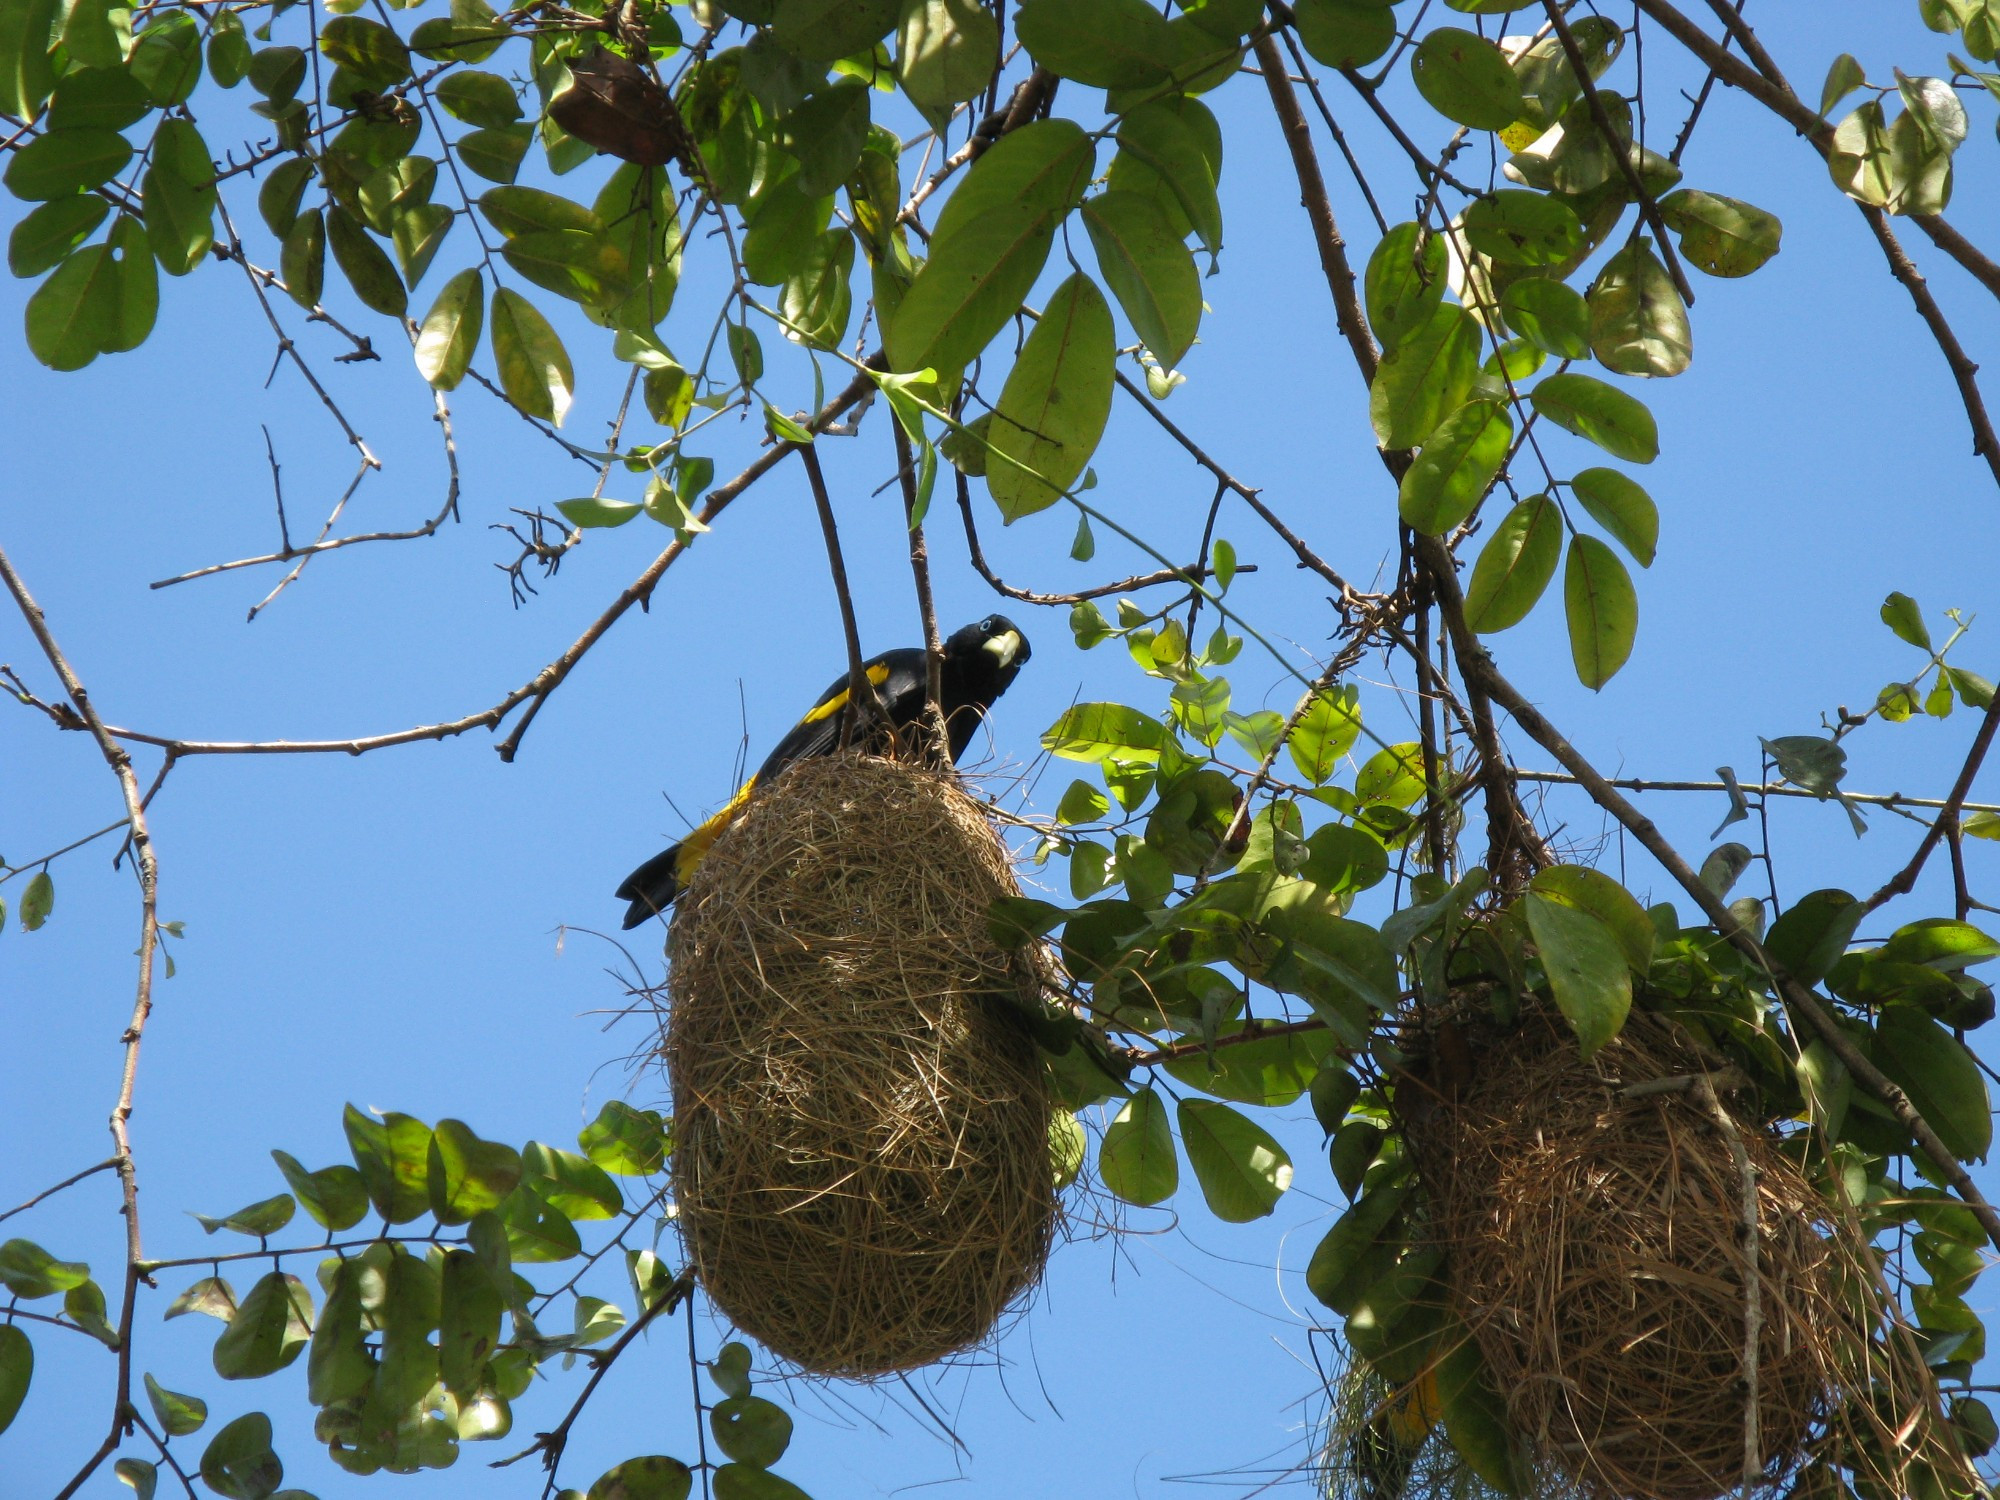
(1593,1214)
(862,1164)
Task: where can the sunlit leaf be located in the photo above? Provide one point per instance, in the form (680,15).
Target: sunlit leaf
(1638,323)
(1452,473)
(1621,507)
(1515,565)
(1137,1161)
(1055,403)
(1425,377)
(1148,269)
(1464,78)
(535,371)
(1586,406)
(1602,609)
(1586,968)
(1242,1170)
(238,1463)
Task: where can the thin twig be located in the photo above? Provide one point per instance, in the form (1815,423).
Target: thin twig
(1905,879)
(920,576)
(861,695)
(1755,789)
(108,1164)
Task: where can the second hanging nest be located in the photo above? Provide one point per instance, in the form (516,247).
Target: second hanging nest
(862,1164)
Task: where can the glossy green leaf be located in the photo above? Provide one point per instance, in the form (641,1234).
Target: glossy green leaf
(1045,165)
(468,1176)
(302,259)
(277,72)
(1595,892)
(38,900)
(17,1370)
(751,1430)
(1348,1259)
(334,1196)
(946,51)
(279,198)
(141,1476)
(1638,323)
(269,1331)
(1905,616)
(748,1482)
(1602,609)
(971,285)
(137,279)
(1475,1416)
(1723,236)
(495,152)
(1619,424)
(1171,151)
(26,76)
(176,1414)
(1242,1170)
(166,57)
(826,134)
(1843,77)
(1148,269)
(1514,566)
(1464,78)
(370,51)
(653,1477)
(1055,403)
(534,367)
(1137,1161)
(1106,44)
(180,220)
(1521,228)
(1586,968)
(339,1365)
(1345,33)
(101,98)
(50,231)
(1452,473)
(1425,377)
(593,512)
(1812,933)
(365,264)
(263,1218)
(1621,507)
(27,1270)
(1404,283)
(468,1322)
(1325,733)
(64,162)
(1549,315)
(238,1463)
(784,221)
(824,31)
(1103,731)
(817,301)
(481,99)
(69,319)
(449,336)
(393,1155)
(630,1142)
(1270,1073)
(571,1183)
(1939,1075)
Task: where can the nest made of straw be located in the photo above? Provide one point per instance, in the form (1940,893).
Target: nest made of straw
(1596,1251)
(862,1162)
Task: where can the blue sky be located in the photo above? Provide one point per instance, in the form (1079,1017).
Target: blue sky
(386,930)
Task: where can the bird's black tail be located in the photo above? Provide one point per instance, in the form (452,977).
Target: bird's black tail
(652,887)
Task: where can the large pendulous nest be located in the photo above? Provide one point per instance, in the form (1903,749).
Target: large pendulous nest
(862,1160)
(1595,1233)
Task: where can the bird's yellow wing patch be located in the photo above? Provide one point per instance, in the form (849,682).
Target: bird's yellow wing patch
(698,843)
(877,674)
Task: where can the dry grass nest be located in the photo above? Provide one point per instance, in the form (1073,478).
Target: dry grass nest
(862,1159)
(1596,1251)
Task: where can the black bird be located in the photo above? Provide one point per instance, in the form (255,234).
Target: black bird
(980,662)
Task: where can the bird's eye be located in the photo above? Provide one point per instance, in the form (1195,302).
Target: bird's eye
(990,624)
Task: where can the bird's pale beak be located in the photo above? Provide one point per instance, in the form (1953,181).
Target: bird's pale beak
(1007,648)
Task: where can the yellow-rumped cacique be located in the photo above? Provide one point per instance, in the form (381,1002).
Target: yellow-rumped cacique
(980,663)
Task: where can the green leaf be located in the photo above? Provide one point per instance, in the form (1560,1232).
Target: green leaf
(1619,424)
(64,162)
(535,371)
(1325,733)
(747,1482)
(1638,323)
(1344,33)
(339,1365)
(592,512)
(103,98)
(495,152)
(334,1196)
(1055,403)
(302,259)
(1810,936)
(1514,566)
(68,322)
(26,77)
(1602,897)
(818,299)
(1405,280)
(1137,1161)
(211,1295)
(1425,377)
(1974,689)
(630,1142)
(1106,44)
(751,1430)
(653,1477)
(269,1330)
(1940,1077)
(971,285)
(51,231)
(38,901)
(84,1306)
(485,100)
(1843,77)
(1723,236)
(1452,473)
(137,281)
(468,1176)
(180,218)
(1602,609)
(392,1155)
(260,1219)
(824,31)
(1102,731)
(141,1476)
(166,58)
(176,1414)
(1815,762)
(1269,1073)
(277,73)
(17,1354)
(1622,508)
(745,353)
(784,222)
(238,1463)
(574,1185)
(469,1312)
(1521,228)
(1349,1259)
(1905,616)
(1940,943)
(946,51)
(1045,165)
(1171,151)
(279,198)
(1149,269)
(370,51)
(1394,774)
(365,264)
(1586,967)
(27,1270)
(450,333)
(1242,1170)
(1464,78)
(1475,1417)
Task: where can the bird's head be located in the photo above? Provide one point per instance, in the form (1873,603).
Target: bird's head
(992,648)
